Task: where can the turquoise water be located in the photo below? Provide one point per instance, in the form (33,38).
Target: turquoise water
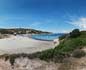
(46,36)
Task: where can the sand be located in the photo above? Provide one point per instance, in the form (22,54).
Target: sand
(28,64)
(20,44)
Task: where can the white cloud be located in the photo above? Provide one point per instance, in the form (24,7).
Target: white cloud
(81,22)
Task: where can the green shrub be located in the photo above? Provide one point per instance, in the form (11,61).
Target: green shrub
(68,46)
(46,55)
(83,41)
(75,33)
(34,55)
(63,37)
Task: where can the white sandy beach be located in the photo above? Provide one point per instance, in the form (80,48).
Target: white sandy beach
(20,44)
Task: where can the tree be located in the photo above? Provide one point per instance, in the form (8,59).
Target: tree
(75,33)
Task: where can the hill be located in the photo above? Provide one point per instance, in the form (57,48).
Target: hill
(21,31)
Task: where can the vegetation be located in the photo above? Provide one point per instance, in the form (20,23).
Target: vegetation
(78,53)
(63,37)
(21,31)
(70,46)
(75,33)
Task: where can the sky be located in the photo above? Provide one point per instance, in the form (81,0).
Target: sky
(48,15)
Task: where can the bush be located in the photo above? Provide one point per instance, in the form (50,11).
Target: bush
(34,55)
(12,59)
(68,46)
(58,57)
(75,33)
(46,55)
(63,37)
(78,53)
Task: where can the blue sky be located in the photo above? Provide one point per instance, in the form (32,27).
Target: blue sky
(46,15)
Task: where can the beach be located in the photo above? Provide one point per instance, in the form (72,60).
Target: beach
(21,44)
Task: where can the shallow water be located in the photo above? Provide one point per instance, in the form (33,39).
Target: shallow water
(49,37)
